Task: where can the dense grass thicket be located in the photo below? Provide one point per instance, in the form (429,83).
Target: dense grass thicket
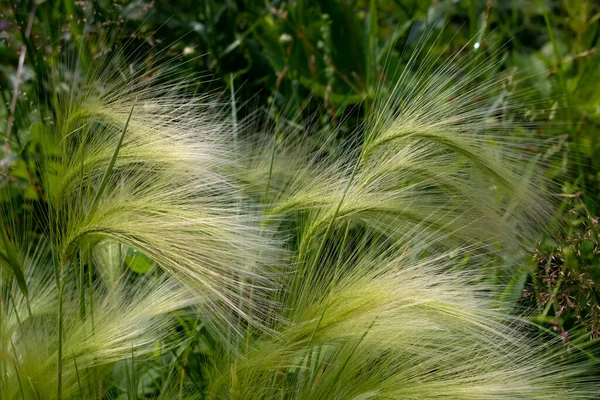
(299,200)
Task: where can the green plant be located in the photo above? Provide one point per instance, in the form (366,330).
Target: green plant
(113,173)
(364,271)
(567,281)
(394,238)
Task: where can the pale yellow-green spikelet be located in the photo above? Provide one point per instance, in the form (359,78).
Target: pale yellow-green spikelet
(132,167)
(437,154)
(121,320)
(357,272)
(393,328)
(391,240)
(169,194)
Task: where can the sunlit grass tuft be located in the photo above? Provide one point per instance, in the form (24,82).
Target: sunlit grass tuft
(365,271)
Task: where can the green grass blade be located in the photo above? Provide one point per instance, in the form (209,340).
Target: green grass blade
(113,159)
(11,259)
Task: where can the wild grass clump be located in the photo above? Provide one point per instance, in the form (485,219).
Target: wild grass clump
(319,274)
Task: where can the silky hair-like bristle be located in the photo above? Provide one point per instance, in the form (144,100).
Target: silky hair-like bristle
(361,272)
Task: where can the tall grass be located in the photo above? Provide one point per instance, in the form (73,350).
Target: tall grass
(358,272)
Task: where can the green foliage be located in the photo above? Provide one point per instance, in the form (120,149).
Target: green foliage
(569,273)
(355,219)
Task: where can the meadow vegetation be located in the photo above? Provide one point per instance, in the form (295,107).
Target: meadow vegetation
(311,200)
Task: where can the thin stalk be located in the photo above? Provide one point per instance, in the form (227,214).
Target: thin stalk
(128,381)
(334,217)
(329,229)
(78,380)
(312,336)
(181,383)
(339,372)
(3,332)
(63,280)
(17,371)
(186,368)
(238,196)
(133,383)
(340,255)
(81,282)
(265,204)
(91,290)
(308,354)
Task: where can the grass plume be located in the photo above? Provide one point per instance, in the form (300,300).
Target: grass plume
(354,273)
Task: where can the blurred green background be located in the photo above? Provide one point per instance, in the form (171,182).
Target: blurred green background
(320,63)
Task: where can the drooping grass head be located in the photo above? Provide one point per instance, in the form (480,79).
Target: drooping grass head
(318,273)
